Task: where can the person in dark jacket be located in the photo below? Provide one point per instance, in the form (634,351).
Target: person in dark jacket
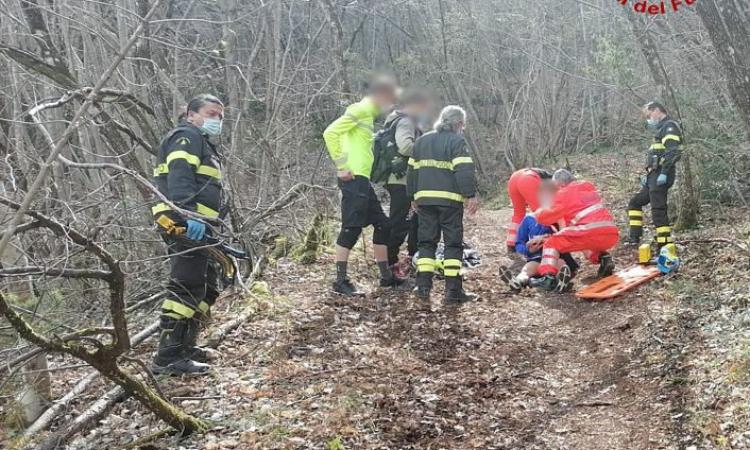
(410,121)
(661,161)
(188,174)
(442,182)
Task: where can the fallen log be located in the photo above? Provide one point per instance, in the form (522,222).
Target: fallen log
(100,408)
(60,404)
(93,414)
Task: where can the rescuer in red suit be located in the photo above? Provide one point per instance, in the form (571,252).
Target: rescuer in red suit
(588,227)
(523,190)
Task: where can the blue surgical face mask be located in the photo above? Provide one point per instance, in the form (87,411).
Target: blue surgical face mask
(211,126)
(652,123)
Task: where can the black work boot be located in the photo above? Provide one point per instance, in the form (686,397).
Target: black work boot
(194,352)
(422,292)
(346,288)
(454,292)
(606,265)
(424,285)
(172,356)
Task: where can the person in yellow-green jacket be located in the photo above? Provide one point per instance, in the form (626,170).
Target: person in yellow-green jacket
(349,140)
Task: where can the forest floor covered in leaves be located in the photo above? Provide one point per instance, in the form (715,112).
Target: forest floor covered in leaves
(665,367)
(530,371)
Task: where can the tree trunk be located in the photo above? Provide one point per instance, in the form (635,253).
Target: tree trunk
(688,205)
(35,395)
(728,28)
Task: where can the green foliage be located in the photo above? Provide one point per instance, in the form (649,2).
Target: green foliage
(335,444)
(612,62)
(719,172)
(24,300)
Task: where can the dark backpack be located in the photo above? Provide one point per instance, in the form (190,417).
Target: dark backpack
(384,151)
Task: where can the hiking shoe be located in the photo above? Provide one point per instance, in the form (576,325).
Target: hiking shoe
(458,297)
(517,285)
(346,288)
(511,249)
(545,283)
(422,293)
(392,282)
(507,276)
(606,265)
(564,277)
(181,367)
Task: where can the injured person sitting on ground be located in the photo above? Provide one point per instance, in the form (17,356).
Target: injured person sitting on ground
(590,229)
(530,239)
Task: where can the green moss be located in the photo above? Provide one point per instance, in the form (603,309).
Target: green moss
(13,418)
(335,444)
(281,248)
(316,237)
(260,289)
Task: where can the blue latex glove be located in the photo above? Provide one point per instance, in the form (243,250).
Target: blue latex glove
(644,181)
(662,180)
(195,230)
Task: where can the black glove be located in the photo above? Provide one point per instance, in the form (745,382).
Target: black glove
(399,166)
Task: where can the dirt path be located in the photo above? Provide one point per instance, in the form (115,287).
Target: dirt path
(507,372)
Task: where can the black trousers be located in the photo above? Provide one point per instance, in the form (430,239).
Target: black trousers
(657,196)
(412,241)
(360,207)
(434,222)
(193,284)
(399,223)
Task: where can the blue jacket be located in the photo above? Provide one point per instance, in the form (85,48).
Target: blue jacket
(528,230)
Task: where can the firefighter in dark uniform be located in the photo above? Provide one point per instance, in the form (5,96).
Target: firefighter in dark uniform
(188,173)
(662,158)
(441,180)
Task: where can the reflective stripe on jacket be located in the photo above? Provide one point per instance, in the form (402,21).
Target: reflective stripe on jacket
(188,172)
(580,205)
(665,151)
(441,172)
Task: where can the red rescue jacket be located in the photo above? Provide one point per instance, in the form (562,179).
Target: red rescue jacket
(579,208)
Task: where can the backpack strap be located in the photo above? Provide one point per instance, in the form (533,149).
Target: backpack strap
(399,115)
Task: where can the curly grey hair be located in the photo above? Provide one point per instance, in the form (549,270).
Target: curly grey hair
(563,177)
(451,118)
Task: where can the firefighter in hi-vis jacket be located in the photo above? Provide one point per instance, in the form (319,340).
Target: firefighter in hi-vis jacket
(188,174)
(441,181)
(662,158)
